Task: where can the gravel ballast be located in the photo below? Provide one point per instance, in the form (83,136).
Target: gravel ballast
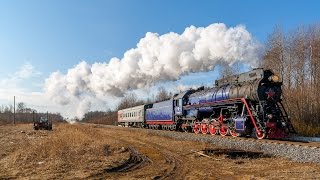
(293,152)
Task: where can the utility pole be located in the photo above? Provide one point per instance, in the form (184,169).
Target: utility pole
(14,109)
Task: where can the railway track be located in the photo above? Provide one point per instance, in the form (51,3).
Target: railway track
(300,151)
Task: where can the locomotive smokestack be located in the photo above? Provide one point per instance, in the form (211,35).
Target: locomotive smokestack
(156,58)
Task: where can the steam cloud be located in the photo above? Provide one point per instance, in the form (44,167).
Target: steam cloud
(156,58)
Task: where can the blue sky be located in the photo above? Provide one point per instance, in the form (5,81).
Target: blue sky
(55,35)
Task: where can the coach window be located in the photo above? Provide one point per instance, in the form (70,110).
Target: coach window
(180,102)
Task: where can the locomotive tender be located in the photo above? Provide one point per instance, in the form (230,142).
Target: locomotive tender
(247,104)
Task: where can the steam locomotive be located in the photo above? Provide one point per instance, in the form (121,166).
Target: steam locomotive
(247,104)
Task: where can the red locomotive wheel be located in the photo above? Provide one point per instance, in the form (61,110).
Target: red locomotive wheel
(212,129)
(196,128)
(261,134)
(233,133)
(223,131)
(204,128)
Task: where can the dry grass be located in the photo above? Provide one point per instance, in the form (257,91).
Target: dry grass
(306,129)
(69,151)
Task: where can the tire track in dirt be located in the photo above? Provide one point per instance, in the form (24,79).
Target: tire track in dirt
(147,154)
(135,161)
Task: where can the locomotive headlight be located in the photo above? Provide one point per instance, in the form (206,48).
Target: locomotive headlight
(274,78)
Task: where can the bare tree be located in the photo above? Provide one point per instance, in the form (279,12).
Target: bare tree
(163,94)
(130,100)
(225,70)
(295,56)
(274,55)
(21,106)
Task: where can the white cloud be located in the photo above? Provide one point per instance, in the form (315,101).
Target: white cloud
(26,71)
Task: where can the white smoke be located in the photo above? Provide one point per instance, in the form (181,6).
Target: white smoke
(156,58)
(84,106)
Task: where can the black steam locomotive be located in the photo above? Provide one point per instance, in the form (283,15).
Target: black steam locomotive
(239,105)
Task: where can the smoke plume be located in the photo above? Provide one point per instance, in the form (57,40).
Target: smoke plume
(156,58)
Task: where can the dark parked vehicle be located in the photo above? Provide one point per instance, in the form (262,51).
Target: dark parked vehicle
(43,123)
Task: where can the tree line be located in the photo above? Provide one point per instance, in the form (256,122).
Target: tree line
(24,114)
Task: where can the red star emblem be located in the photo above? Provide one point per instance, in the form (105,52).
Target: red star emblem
(270,93)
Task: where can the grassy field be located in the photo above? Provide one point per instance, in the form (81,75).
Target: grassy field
(68,151)
(90,151)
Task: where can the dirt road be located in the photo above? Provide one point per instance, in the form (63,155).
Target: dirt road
(95,152)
